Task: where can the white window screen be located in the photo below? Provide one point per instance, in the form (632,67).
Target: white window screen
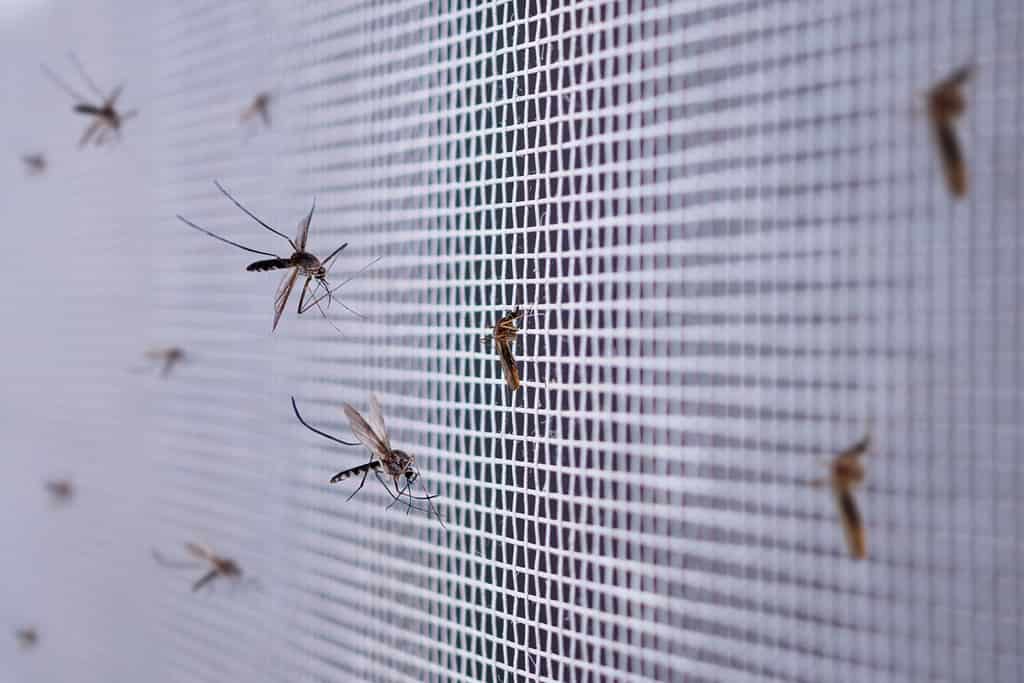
(728,222)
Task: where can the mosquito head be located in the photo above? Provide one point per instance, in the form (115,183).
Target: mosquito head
(321,274)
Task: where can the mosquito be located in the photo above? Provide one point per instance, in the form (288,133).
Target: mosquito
(60,489)
(301,262)
(105,116)
(35,164)
(504,334)
(27,637)
(946,103)
(847,472)
(219,566)
(260,106)
(385,462)
(168,357)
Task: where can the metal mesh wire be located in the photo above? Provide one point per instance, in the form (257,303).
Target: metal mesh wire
(728,225)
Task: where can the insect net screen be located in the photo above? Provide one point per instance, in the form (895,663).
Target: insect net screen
(728,226)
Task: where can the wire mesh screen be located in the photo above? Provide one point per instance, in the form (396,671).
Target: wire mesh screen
(728,228)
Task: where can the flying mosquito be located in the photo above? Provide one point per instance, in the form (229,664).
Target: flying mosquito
(27,637)
(260,106)
(105,116)
(385,462)
(60,489)
(504,334)
(301,262)
(847,472)
(167,357)
(219,566)
(945,104)
(35,164)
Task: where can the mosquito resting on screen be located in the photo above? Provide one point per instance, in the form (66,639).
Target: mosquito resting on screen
(260,106)
(504,334)
(945,104)
(301,262)
(60,489)
(219,566)
(847,472)
(385,462)
(167,357)
(35,164)
(105,116)
(27,637)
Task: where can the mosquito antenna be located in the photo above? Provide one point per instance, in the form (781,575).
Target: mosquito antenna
(222,239)
(253,216)
(59,82)
(81,70)
(305,424)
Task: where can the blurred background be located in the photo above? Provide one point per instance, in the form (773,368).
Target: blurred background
(729,223)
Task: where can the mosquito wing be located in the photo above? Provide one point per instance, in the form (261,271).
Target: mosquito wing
(508,364)
(952,158)
(283,292)
(364,432)
(853,525)
(200,552)
(377,421)
(303,232)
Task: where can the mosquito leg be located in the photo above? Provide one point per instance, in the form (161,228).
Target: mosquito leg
(363,481)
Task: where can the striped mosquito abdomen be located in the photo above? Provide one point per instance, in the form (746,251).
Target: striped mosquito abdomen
(356,471)
(269,264)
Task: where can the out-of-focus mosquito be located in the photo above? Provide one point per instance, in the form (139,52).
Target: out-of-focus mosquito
(35,164)
(219,566)
(27,637)
(504,334)
(945,104)
(386,463)
(60,489)
(847,472)
(301,262)
(167,357)
(105,116)
(260,106)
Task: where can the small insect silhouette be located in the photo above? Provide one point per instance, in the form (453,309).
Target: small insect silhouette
(301,262)
(105,116)
(946,103)
(27,637)
(386,463)
(219,566)
(260,106)
(847,472)
(167,357)
(60,489)
(504,334)
(35,164)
